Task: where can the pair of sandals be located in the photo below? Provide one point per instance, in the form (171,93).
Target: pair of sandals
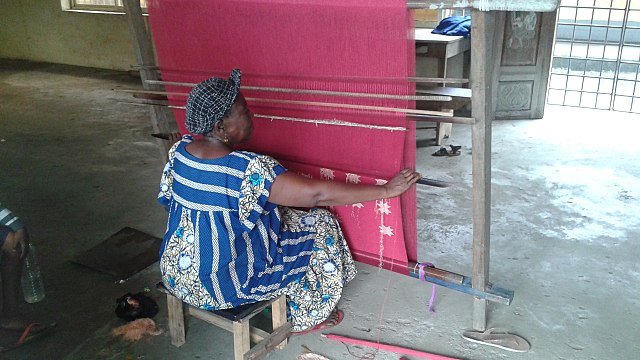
(455,151)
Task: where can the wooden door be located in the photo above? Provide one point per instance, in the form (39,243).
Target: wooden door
(523,70)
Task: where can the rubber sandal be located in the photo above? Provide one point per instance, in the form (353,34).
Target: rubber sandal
(499,338)
(34,327)
(28,335)
(334,319)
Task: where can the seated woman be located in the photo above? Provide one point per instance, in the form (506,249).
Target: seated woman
(234,235)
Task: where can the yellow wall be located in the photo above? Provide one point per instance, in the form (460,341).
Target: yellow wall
(39,30)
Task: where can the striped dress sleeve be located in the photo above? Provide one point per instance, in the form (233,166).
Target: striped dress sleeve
(166,181)
(8,219)
(254,190)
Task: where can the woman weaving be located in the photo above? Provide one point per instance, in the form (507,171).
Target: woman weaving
(234,235)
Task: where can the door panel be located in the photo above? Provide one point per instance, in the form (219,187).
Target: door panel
(527,42)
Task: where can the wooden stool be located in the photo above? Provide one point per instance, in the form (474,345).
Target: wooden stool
(461,97)
(235,320)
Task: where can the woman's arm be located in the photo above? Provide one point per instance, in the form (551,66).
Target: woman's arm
(290,189)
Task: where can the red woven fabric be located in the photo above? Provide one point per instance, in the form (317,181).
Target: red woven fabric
(360,46)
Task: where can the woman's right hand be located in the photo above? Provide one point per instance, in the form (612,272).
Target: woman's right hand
(174,137)
(401,182)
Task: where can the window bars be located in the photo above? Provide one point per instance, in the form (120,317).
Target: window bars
(596,56)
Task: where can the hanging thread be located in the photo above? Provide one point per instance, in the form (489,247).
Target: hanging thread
(421,267)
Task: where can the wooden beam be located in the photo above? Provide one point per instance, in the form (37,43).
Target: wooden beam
(162,120)
(462,283)
(279,316)
(485,54)
(241,339)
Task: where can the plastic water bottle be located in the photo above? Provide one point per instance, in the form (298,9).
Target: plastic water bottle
(32,285)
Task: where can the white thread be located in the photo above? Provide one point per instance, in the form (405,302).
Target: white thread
(332,122)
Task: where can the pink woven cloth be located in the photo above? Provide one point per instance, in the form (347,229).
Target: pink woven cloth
(359,46)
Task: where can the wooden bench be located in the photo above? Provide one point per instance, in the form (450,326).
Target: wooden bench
(236,320)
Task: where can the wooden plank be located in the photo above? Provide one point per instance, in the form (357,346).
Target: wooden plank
(462,284)
(446,91)
(483,58)
(452,119)
(434,273)
(261,349)
(484,5)
(176,320)
(211,318)
(257,334)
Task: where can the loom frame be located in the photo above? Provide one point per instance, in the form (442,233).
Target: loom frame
(486,49)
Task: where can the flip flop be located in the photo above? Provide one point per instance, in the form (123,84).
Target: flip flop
(334,319)
(34,327)
(499,338)
(28,335)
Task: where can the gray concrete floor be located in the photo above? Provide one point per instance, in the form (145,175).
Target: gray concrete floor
(78,164)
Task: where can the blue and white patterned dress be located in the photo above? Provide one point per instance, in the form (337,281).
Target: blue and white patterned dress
(226,245)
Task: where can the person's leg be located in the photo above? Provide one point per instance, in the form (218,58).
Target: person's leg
(312,300)
(11,271)
(11,262)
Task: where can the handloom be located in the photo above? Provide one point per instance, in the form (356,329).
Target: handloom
(203,60)
(321,48)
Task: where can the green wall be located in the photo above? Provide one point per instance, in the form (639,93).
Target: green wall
(39,30)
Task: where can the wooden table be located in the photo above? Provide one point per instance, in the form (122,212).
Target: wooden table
(442,47)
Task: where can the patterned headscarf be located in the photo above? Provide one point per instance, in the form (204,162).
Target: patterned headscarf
(209,101)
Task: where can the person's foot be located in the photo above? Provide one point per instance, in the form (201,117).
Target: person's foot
(334,319)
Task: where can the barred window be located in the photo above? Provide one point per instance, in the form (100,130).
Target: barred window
(98,5)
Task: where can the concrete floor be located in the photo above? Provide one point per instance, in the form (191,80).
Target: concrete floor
(77,165)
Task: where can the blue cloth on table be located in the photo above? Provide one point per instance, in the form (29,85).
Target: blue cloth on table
(454,26)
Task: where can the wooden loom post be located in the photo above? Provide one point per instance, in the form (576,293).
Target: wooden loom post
(161,117)
(485,54)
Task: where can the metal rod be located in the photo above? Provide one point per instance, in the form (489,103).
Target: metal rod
(433,182)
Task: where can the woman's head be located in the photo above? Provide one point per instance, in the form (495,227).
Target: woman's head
(237,125)
(210,101)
